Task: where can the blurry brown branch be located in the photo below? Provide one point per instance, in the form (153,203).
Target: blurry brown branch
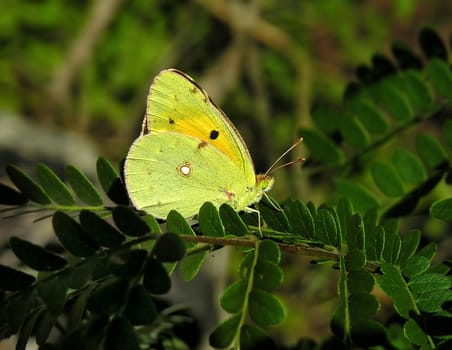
(102,13)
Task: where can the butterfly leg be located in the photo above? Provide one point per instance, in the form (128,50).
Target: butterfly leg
(259,223)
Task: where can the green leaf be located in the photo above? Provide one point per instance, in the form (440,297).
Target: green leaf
(430,150)
(108,298)
(111,182)
(395,286)
(53,185)
(368,333)
(369,219)
(395,102)
(121,335)
(72,236)
(355,233)
(169,248)
(267,275)
(9,196)
(415,265)
(78,275)
(233,223)
(190,265)
(326,228)
(392,245)
(18,308)
(337,323)
(409,246)
(372,118)
(140,308)
(99,230)
(224,334)
(264,308)
(78,308)
(12,280)
(362,305)
(300,219)
(386,179)
(83,187)
(209,221)
(53,293)
(35,256)
(26,330)
(354,260)
(234,296)
(439,74)
(429,250)
(414,333)
(322,117)
(177,224)
(432,45)
(275,219)
(269,250)
(361,198)
(129,222)
(375,241)
(360,281)
(408,166)
(155,278)
(320,147)
(344,213)
(27,185)
(429,282)
(127,264)
(253,338)
(418,91)
(44,327)
(353,132)
(442,209)
(434,301)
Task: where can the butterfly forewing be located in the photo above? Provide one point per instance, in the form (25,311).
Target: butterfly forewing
(176,103)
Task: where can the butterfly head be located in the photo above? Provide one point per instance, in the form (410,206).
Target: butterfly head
(264,182)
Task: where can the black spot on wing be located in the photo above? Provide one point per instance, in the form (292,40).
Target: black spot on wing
(214,134)
(171,121)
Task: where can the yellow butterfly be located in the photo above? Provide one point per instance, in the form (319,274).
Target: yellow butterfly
(188,153)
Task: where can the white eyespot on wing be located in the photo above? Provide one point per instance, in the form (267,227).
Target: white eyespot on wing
(184,169)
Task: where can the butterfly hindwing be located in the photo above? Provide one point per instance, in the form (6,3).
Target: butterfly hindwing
(167,171)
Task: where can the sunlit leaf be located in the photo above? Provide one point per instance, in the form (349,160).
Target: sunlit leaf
(53,185)
(27,185)
(83,187)
(209,221)
(264,308)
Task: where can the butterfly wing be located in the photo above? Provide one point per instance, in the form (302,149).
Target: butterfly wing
(168,170)
(176,103)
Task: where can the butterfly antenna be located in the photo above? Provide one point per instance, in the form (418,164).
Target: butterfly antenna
(273,167)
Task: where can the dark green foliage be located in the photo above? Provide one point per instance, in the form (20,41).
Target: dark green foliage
(34,256)
(13,279)
(104,288)
(111,182)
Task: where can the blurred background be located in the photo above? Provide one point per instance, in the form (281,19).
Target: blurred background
(74,76)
